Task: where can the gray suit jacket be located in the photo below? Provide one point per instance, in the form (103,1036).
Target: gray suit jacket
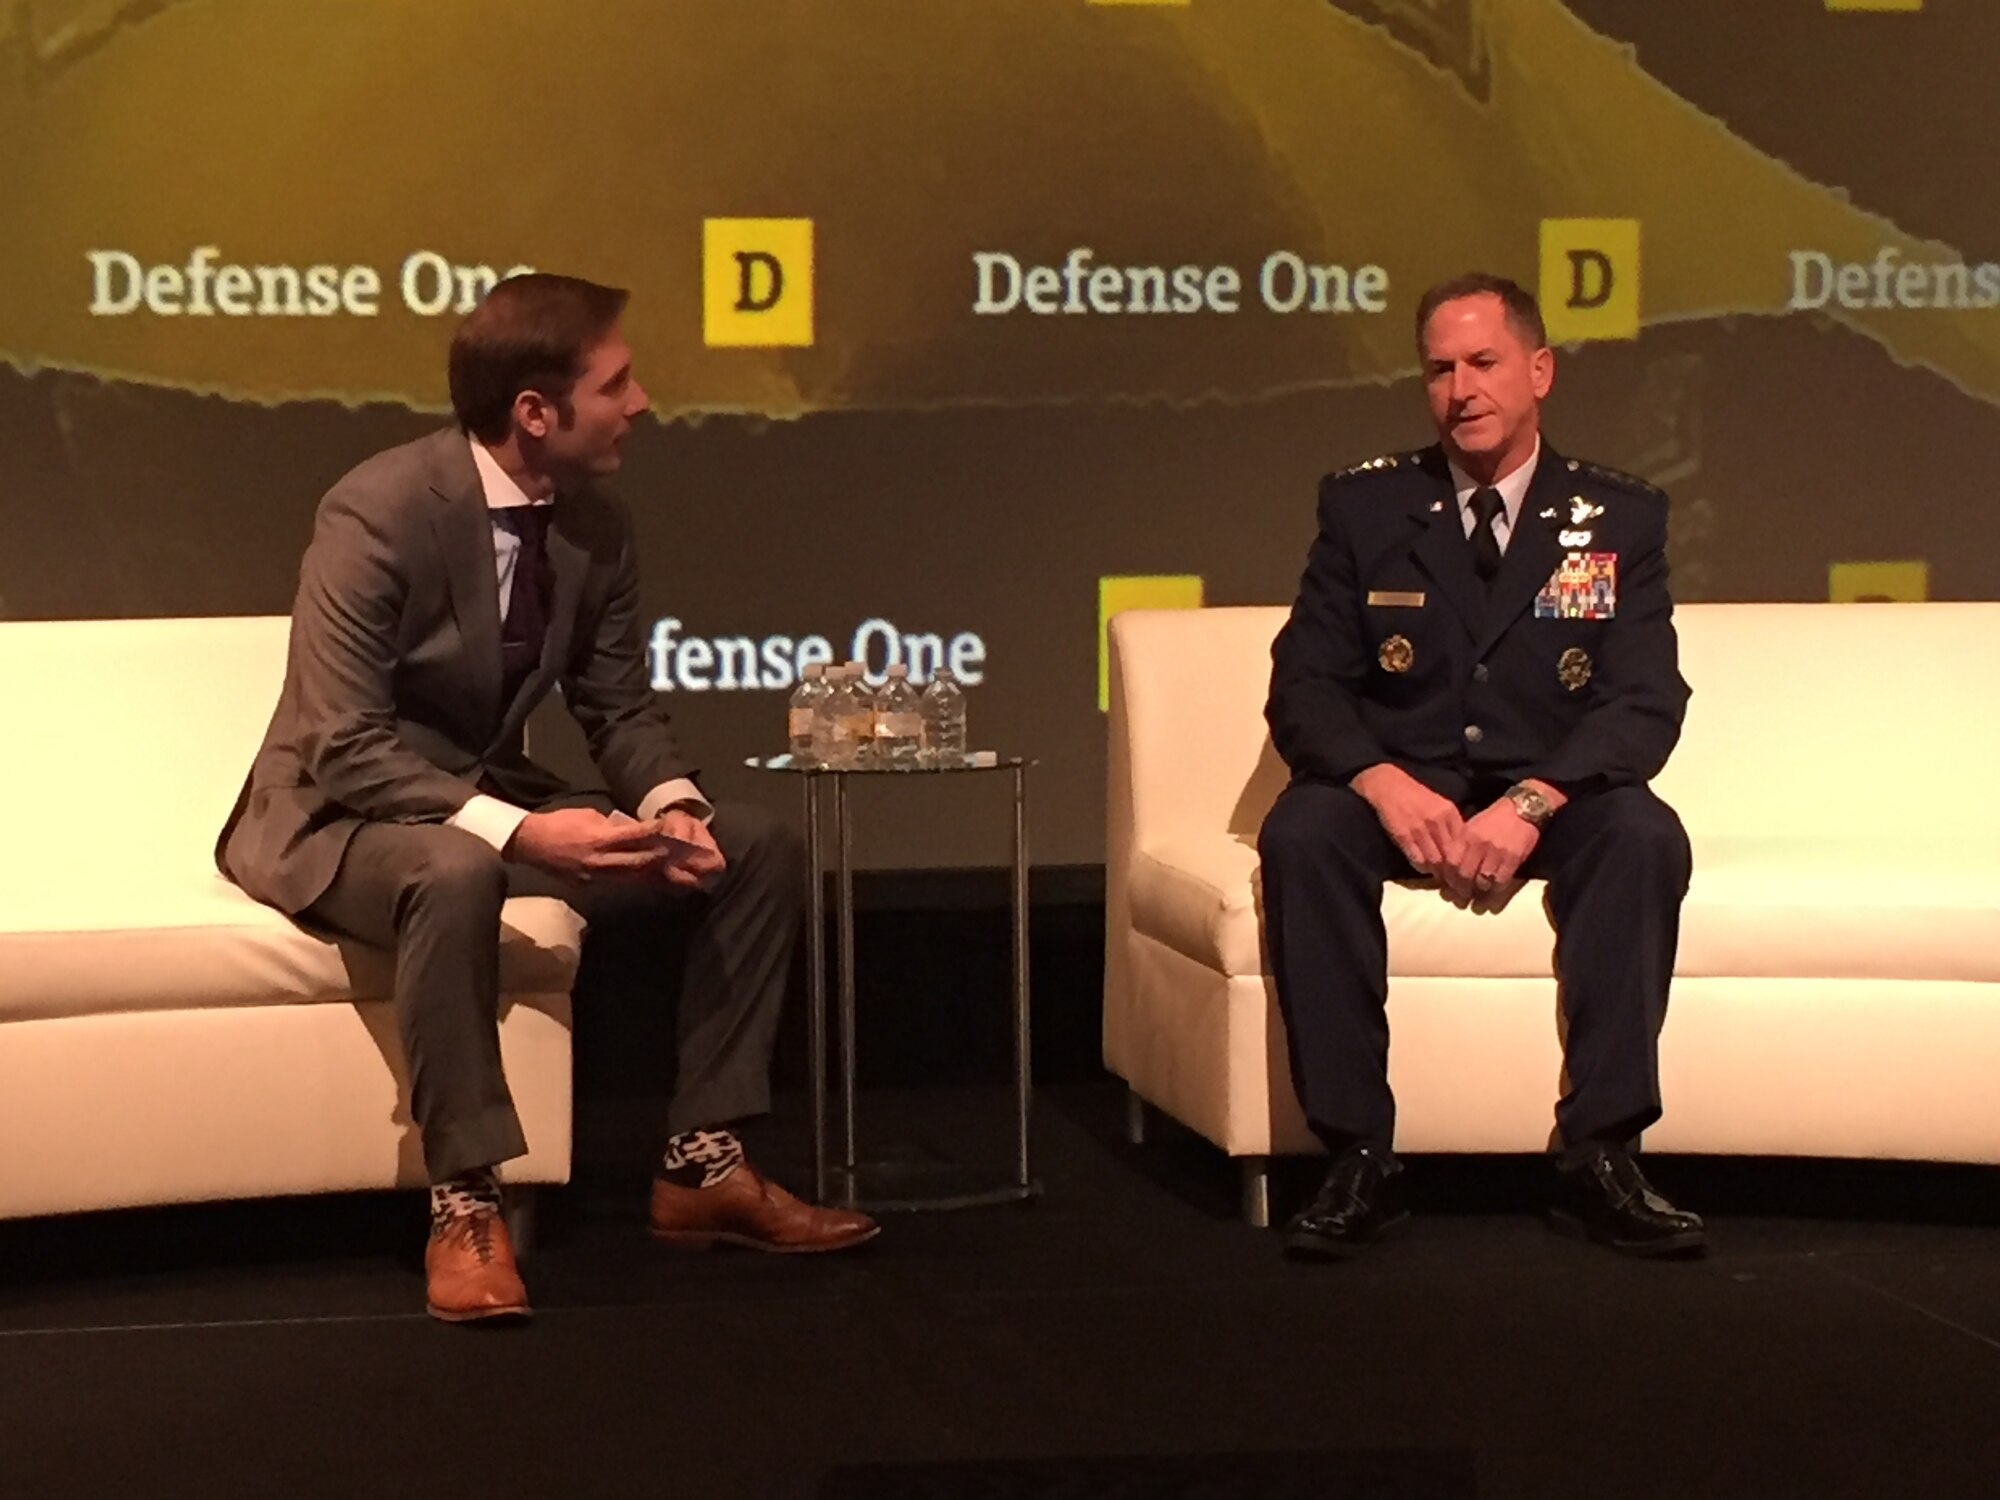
(391,706)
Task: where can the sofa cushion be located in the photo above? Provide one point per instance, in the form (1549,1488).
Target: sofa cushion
(1842,908)
(1821,907)
(197,941)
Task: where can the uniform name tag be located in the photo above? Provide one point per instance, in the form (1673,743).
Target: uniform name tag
(1584,586)
(1393,599)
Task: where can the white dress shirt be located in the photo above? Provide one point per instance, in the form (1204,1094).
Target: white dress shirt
(490,818)
(1513,490)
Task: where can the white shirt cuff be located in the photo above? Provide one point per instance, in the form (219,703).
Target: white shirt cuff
(680,792)
(488,818)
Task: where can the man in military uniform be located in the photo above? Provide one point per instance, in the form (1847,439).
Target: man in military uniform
(1477,681)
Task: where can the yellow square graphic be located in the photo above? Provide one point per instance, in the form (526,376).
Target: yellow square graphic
(1117,593)
(757,283)
(1879,582)
(1590,279)
(1874,4)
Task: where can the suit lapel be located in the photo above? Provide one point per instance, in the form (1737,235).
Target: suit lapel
(1532,553)
(464,534)
(1441,549)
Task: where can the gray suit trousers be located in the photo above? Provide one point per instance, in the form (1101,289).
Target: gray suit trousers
(432,893)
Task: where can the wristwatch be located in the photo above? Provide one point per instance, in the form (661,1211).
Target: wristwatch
(1529,803)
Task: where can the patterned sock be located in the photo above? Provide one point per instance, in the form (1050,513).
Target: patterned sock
(471,1192)
(701,1158)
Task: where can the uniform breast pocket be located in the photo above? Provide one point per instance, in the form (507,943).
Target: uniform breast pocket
(1396,625)
(1566,655)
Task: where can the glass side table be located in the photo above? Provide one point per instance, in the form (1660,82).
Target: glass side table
(889,1185)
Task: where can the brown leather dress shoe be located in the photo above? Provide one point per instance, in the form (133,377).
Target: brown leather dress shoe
(470,1264)
(746,1208)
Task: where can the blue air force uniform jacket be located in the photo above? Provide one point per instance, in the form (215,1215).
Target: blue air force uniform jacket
(1565,670)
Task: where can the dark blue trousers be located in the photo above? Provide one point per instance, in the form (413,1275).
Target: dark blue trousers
(1617,865)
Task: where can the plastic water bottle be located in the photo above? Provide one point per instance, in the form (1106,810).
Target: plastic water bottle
(806,699)
(943,710)
(899,724)
(861,716)
(835,740)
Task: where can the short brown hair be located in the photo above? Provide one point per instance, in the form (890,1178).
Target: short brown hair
(531,333)
(1523,311)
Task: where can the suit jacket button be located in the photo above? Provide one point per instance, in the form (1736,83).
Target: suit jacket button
(1479,673)
(1474,734)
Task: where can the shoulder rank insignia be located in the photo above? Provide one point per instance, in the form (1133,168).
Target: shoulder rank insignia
(1380,465)
(1616,478)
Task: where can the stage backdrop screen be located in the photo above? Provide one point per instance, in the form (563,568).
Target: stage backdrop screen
(968,321)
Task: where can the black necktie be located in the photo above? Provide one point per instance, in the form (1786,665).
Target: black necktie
(527,619)
(1486,504)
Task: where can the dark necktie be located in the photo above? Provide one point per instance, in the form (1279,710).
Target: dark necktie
(1486,504)
(527,621)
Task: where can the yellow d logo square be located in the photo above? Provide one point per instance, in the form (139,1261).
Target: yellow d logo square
(1879,582)
(757,283)
(1119,592)
(1590,279)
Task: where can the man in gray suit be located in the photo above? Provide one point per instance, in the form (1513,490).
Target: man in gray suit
(449,585)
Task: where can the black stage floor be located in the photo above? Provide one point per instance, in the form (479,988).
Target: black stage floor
(1844,1340)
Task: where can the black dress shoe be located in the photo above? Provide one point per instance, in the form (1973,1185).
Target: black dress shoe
(1361,1197)
(1608,1200)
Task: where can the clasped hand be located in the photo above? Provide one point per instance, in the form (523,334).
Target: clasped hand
(584,845)
(1474,859)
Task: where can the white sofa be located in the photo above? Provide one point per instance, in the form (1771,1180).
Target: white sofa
(1838,986)
(164,1038)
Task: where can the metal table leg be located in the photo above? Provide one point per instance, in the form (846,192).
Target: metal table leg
(844,915)
(816,985)
(1021,1013)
